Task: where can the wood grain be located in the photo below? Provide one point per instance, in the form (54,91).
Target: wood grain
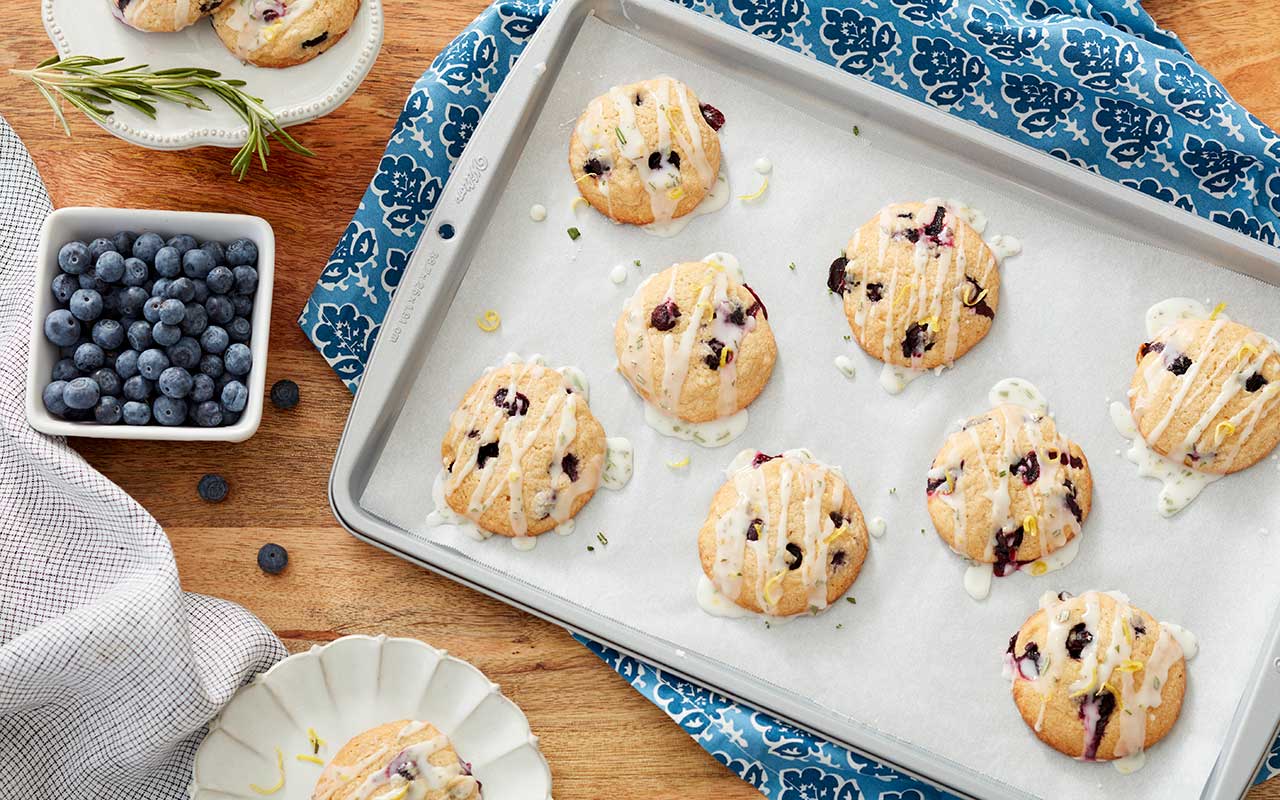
(602,739)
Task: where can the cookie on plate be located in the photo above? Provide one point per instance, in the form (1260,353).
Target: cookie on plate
(162,16)
(695,341)
(523,452)
(784,535)
(1206,393)
(920,285)
(1095,677)
(283,33)
(1007,489)
(646,152)
(404,755)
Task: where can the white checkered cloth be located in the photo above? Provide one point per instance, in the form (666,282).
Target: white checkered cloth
(108,670)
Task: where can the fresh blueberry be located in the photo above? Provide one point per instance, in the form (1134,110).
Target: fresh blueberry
(74,258)
(139,335)
(64,286)
(215,250)
(89,357)
(246,280)
(146,246)
(81,393)
(201,389)
(151,363)
(139,388)
(169,262)
(837,275)
(108,334)
(108,381)
(110,266)
(151,309)
(127,363)
(1078,638)
(52,396)
(195,320)
(201,291)
(242,253)
(211,365)
(62,328)
(239,330)
(89,280)
(214,339)
(136,413)
(238,359)
(108,411)
(68,351)
(243,305)
(169,411)
(165,334)
(185,354)
(99,246)
(130,300)
(1178,366)
(183,289)
(272,559)
(208,414)
(212,488)
(230,417)
(284,394)
(175,382)
(65,370)
(182,243)
(221,280)
(123,241)
(86,305)
(197,263)
(111,303)
(221,310)
(161,287)
(136,272)
(235,396)
(172,312)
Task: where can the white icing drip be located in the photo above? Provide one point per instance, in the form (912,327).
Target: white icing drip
(716,604)
(715,433)
(447,778)
(1004,246)
(1019,392)
(716,199)
(444,515)
(618,274)
(977,580)
(619,461)
(877,527)
(763,166)
(251,29)
(1181,484)
(537,212)
(411,728)
(524,543)
(1166,312)
(845,365)
(894,378)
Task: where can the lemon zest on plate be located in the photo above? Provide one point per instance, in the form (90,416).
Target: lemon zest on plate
(757,193)
(279,784)
(314,740)
(1039,568)
(489,321)
(309,758)
(1218,309)
(681,464)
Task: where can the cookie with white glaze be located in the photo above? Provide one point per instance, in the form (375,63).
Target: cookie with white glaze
(1206,393)
(920,285)
(695,341)
(1095,677)
(404,755)
(523,453)
(162,16)
(1008,489)
(283,33)
(784,535)
(646,152)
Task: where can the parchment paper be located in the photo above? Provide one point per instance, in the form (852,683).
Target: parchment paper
(915,657)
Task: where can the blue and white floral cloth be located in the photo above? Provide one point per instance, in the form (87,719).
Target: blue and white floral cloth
(1094,82)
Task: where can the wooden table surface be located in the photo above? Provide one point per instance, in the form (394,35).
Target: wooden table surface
(602,739)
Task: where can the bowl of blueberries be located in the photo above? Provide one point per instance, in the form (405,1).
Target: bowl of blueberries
(150,324)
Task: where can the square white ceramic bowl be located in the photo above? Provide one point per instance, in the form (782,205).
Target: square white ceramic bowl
(86,224)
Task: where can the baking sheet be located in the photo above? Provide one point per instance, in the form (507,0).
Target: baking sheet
(916,658)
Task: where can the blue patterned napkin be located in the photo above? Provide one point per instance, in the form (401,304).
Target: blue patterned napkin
(1094,82)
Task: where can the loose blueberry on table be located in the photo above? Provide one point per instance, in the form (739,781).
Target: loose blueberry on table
(272,559)
(153,332)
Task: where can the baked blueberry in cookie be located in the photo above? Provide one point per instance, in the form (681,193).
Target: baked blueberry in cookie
(162,16)
(523,453)
(402,759)
(1007,489)
(282,33)
(646,152)
(695,341)
(784,535)
(1206,394)
(1097,678)
(920,285)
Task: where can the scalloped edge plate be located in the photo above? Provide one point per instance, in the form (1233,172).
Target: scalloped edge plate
(352,684)
(295,94)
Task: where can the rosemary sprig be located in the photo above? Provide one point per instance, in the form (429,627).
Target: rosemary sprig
(80,81)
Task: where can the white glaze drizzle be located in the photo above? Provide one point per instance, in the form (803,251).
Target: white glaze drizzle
(714,200)
(1181,484)
(252,30)
(447,778)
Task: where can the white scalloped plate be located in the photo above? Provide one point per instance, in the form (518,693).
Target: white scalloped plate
(295,94)
(352,684)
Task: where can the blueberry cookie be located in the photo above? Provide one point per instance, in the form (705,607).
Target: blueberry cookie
(403,759)
(920,285)
(283,33)
(646,152)
(694,341)
(1206,394)
(523,452)
(1007,489)
(784,535)
(1097,678)
(162,16)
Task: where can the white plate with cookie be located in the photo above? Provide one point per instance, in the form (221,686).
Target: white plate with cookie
(371,716)
(303,58)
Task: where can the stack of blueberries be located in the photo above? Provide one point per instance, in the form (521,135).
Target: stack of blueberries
(151,330)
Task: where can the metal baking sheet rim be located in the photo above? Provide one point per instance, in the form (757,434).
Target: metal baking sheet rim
(413,317)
